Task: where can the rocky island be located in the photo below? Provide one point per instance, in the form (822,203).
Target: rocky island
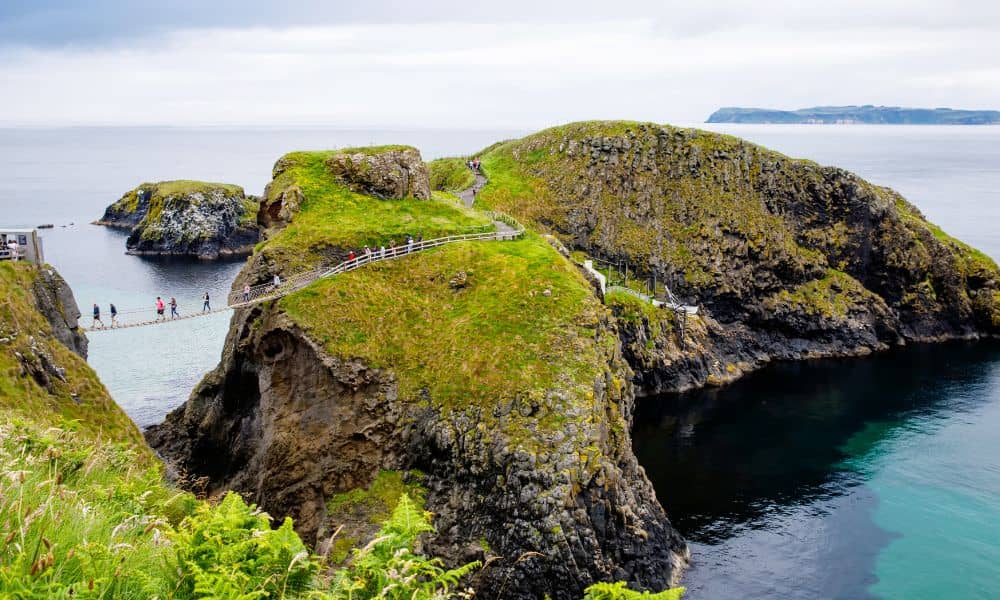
(867,114)
(192,218)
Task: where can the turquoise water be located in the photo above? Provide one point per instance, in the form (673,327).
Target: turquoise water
(837,479)
(875,477)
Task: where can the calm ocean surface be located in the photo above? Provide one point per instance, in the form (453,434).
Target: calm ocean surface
(875,477)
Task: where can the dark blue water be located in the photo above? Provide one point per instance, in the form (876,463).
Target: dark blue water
(837,478)
(874,477)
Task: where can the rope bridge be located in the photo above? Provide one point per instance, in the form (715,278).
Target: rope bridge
(506,228)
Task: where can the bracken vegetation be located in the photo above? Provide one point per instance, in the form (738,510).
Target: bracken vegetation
(80,519)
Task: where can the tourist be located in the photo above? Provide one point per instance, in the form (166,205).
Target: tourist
(420,238)
(97,317)
(114,316)
(277,281)
(246,292)
(350,255)
(12,246)
(173,308)
(160,307)
(409,244)
(206,306)
(381,252)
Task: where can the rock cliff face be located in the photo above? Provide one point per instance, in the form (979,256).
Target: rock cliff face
(55,300)
(505,400)
(786,258)
(387,172)
(186,218)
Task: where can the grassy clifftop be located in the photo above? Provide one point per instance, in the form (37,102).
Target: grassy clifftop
(473,324)
(329,218)
(464,325)
(736,227)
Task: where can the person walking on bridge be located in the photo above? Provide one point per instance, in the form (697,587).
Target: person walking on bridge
(173,308)
(97,317)
(114,316)
(205,304)
(160,307)
(246,292)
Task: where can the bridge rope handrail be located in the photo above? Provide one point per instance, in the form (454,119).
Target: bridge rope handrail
(269,291)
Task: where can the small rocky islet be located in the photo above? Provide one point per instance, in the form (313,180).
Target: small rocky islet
(503,403)
(187,218)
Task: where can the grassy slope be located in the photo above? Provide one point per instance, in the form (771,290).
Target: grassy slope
(450,174)
(498,337)
(93,411)
(333,216)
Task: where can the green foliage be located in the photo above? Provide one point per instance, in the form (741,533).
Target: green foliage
(230,551)
(388,568)
(450,174)
(379,499)
(81,519)
(634,310)
(618,591)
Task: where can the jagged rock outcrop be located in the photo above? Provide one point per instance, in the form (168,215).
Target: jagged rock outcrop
(55,300)
(487,374)
(192,218)
(786,258)
(392,172)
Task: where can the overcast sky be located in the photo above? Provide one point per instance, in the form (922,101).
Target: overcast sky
(511,63)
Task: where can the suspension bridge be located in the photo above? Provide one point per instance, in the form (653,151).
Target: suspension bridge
(504,228)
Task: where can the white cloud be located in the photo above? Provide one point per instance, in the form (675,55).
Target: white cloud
(494,75)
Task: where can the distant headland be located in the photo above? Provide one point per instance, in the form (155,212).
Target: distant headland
(867,114)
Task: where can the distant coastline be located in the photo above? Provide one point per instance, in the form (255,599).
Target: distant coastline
(848,115)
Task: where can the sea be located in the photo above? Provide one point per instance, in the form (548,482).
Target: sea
(873,477)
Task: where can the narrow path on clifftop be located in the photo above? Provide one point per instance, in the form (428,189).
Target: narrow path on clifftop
(468,197)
